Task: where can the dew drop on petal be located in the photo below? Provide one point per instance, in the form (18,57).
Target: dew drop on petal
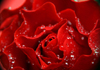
(34,35)
(72,56)
(9,8)
(92,62)
(66,63)
(13,61)
(62,46)
(32,63)
(69,23)
(44,30)
(49,62)
(11,67)
(82,38)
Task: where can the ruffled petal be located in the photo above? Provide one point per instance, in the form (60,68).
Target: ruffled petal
(60,4)
(88,13)
(70,15)
(33,19)
(27,5)
(71,47)
(94,42)
(86,62)
(7,22)
(7,35)
(15,56)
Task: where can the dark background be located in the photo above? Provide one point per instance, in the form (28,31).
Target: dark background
(1,1)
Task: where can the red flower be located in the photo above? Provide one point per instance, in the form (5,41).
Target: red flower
(50,35)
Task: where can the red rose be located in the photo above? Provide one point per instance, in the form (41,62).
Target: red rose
(50,35)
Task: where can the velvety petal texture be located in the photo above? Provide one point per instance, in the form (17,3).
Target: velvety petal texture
(50,35)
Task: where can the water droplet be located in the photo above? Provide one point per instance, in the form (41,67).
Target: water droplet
(66,63)
(13,61)
(34,35)
(9,8)
(32,63)
(39,41)
(58,56)
(68,37)
(23,45)
(69,23)
(72,56)
(25,23)
(19,12)
(72,52)
(92,62)
(66,28)
(62,46)
(11,67)
(25,8)
(4,46)
(82,38)
(10,58)
(44,30)
(49,25)
(49,62)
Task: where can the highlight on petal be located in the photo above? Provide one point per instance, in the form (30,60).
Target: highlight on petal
(12,4)
(27,5)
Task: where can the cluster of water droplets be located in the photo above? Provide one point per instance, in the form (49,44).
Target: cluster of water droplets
(59,15)
(95,47)
(11,60)
(81,28)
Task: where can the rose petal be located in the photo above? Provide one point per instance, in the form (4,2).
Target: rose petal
(12,3)
(27,4)
(97,24)
(7,37)
(4,62)
(86,62)
(17,68)
(44,15)
(60,4)
(7,22)
(94,41)
(70,15)
(16,56)
(71,48)
(32,55)
(87,13)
